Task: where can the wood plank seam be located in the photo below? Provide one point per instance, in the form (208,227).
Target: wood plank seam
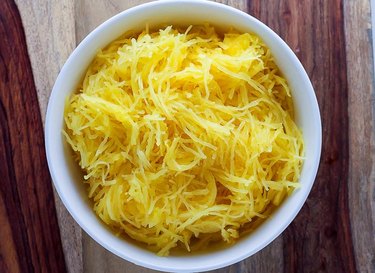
(29,214)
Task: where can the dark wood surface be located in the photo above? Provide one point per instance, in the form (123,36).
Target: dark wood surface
(319,239)
(334,232)
(29,233)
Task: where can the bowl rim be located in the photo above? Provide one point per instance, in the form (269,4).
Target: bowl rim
(167,266)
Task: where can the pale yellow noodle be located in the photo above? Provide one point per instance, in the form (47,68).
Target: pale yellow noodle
(184,134)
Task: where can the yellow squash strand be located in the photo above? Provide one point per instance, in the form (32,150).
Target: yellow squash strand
(184,135)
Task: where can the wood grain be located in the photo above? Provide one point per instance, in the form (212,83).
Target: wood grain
(29,232)
(335,230)
(319,239)
(50,28)
(361,132)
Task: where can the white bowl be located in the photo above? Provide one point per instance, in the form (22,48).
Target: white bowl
(65,172)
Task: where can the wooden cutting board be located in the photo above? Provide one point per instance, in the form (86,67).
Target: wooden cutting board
(334,232)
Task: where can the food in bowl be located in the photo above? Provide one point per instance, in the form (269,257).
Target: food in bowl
(186,136)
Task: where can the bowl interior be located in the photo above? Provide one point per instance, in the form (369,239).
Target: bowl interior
(67,176)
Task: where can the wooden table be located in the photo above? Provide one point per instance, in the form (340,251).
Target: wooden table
(334,232)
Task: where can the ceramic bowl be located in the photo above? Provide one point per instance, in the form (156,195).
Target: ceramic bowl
(66,175)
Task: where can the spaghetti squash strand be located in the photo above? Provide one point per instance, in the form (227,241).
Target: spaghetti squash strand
(186,136)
